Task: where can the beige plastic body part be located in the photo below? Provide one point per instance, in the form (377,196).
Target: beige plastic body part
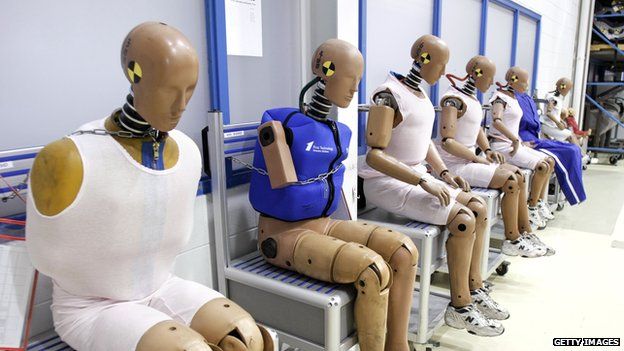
(171,335)
(224,323)
(276,154)
(459,248)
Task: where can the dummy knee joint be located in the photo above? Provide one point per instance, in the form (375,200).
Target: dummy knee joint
(374,279)
(511,185)
(353,259)
(542,167)
(463,224)
(478,208)
(387,242)
(520,176)
(171,335)
(224,323)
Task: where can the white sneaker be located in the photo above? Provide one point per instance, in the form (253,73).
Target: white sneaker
(471,319)
(535,218)
(536,241)
(523,247)
(488,307)
(544,211)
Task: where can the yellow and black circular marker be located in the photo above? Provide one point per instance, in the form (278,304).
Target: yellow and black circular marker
(563,86)
(479,72)
(328,68)
(134,71)
(425,58)
(514,78)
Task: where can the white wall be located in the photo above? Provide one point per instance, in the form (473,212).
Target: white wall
(60,63)
(558,41)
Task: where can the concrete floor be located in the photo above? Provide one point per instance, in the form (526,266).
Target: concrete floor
(575,293)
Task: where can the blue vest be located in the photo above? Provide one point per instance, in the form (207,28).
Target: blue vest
(316,147)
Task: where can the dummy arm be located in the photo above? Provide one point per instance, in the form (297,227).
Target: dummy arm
(438,165)
(383,116)
(276,154)
(484,144)
(453,109)
(498,105)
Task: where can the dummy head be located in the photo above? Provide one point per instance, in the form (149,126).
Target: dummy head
(432,55)
(482,70)
(340,66)
(564,85)
(518,79)
(162,67)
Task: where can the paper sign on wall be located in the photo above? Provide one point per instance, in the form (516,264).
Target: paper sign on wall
(243,23)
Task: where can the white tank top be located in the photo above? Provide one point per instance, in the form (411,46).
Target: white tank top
(120,237)
(558,106)
(512,114)
(468,125)
(411,138)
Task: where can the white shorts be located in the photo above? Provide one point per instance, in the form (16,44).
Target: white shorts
(99,324)
(409,200)
(556,133)
(524,158)
(476,174)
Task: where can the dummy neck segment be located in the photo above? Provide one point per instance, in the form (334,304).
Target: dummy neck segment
(469,87)
(320,106)
(413,77)
(130,120)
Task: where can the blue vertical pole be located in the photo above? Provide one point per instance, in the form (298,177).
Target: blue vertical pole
(538,31)
(362,88)
(217,57)
(483,36)
(435,30)
(514,39)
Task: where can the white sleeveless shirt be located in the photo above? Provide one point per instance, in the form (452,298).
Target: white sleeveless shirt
(468,125)
(512,114)
(120,237)
(411,138)
(557,102)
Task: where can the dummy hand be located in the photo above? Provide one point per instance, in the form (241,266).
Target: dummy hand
(495,156)
(529,144)
(560,125)
(480,159)
(438,191)
(515,145)
(463,184)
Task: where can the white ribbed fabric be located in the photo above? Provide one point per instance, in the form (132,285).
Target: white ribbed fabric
(120,236)
(411,138)
(557,102)
(511,117)
(467,128)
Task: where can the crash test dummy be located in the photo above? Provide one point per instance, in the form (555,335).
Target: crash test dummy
(398,134)
(504,121)
(112,206)
(460,133)
(553,125)
(301,152)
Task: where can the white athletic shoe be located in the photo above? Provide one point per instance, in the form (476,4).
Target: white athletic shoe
(471,319)
(536,220)
(544,211)
(488,307)
(536,241)
(523,247)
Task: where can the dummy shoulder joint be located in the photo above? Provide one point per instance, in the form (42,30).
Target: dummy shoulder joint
(385,98)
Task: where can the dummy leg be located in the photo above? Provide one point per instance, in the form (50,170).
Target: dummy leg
(524,224)
(505,180)
(171,335)
(479,210)
(401,253)
(540,179)
(461,224)
(330,259)
(224,323)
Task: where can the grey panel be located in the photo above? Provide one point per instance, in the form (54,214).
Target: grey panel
(290,316)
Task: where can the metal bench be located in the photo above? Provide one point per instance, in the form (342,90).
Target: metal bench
(305,313)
